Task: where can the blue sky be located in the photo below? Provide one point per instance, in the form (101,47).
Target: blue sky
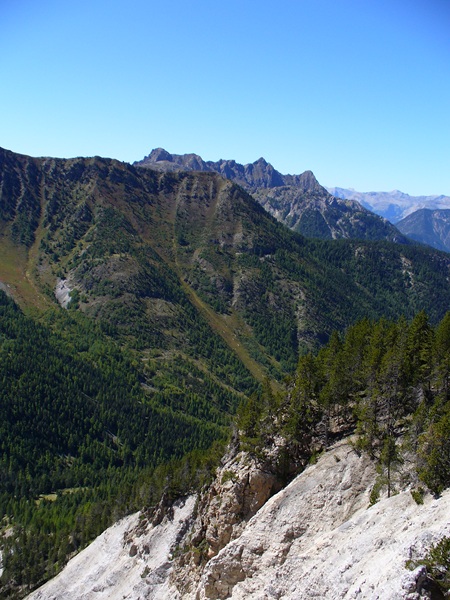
(358,91)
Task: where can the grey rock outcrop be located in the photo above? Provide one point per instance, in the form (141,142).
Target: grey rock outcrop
(241,487)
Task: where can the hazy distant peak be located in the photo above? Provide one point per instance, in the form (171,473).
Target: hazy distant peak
(394,205)
(427,226)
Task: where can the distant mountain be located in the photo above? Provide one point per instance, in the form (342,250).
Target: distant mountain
(394,205)
(431,227)
(298,201)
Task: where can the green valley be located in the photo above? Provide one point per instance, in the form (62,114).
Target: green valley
(138,310)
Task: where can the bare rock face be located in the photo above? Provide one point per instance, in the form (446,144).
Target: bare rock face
(130,560)
(318,538)
(62,292)
(310,505)
(241,487)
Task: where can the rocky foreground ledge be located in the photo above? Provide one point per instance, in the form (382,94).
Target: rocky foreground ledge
(316,538)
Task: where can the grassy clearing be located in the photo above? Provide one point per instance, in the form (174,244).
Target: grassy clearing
(18,270)
(13,273)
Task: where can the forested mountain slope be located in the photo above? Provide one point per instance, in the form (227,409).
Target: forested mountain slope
(145,253)
(183,296)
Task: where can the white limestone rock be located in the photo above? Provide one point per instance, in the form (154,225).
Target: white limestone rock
(128,561)
(317,538)
(62,292)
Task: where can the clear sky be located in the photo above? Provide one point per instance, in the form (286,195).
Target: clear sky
(358,91)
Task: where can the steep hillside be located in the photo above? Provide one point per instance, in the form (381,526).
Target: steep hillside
(394,205)
(151,305)
(190,264)
(359,520)
(315,538)
(431,227)
(297,201)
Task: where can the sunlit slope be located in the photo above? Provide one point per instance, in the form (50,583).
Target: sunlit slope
(161,259)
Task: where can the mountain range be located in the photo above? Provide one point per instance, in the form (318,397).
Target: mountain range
(140,250)
(139,308)
(298,201)
(302,204)
(393,206)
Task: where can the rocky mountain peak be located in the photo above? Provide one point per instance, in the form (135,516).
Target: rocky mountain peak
(162,160)
(262,174)
(159,154)
(309,178)
(306,182)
